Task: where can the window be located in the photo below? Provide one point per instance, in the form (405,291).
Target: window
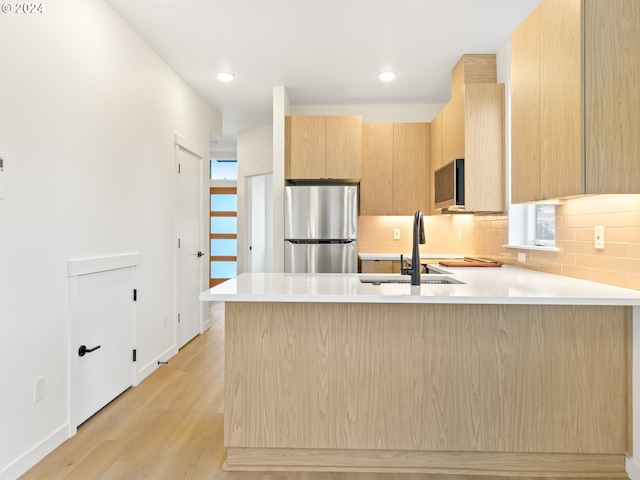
(223,170)
(543,225)
(532,226)
(223,249)
(223,234)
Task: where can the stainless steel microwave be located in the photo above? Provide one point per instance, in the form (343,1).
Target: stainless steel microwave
(449,185)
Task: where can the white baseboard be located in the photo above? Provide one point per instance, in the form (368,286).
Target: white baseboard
(633,469)
(152,366)
(37,453)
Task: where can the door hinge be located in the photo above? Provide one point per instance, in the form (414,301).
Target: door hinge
(178,243)
(178,318)
(178,168)
(135,294)
(135,355)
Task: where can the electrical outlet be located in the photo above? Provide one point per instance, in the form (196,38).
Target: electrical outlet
(599,237)
(522,257)
(38,393)
(1,177)
(396,234)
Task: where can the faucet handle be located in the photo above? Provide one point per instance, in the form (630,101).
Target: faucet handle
(403,271)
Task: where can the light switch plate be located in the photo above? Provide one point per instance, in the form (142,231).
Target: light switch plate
(396,234)
(599,237)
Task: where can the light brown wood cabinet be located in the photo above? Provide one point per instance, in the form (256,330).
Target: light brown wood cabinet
(395,168)
(575,100)
(453,128)
(472,127)
(380,266)
(484,177)
(376,192)
(323,147)
(435,137)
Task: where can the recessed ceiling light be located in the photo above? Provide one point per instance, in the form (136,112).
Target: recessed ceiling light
(387,76)
(225,76)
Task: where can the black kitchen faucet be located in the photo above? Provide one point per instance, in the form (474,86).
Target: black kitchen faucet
(418,237)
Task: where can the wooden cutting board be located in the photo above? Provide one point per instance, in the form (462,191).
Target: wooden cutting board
(471,262)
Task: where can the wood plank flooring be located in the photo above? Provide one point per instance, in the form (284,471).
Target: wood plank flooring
(171,426)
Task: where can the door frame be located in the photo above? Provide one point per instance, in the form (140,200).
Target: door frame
(181,143)
(88,266)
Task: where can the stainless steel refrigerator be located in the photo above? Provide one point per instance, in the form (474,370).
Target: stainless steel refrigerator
(321,229)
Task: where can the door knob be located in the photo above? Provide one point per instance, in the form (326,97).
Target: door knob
(200,254)
(83,350)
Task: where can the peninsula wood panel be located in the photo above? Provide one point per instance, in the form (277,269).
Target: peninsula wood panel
(344,147)
(478,464)
(484,151)
(561,158)
(376,185)
(612,96)
(307,140)
(525,110)
(428,377)
(410,168)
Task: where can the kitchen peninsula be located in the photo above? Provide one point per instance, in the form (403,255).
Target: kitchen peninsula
(510,372)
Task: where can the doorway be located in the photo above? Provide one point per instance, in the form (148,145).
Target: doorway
(259,193)
(102,320)
(189,254)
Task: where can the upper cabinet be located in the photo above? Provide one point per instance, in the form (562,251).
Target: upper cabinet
(394,168)
(435,137)
(484,176)
(323,147)
(471,126)
(575,100)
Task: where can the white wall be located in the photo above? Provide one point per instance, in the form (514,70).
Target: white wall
(87,126)
(281,108)
(255,157)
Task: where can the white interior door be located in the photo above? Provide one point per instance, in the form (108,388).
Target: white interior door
(102,321)
(260,222)
(189,256)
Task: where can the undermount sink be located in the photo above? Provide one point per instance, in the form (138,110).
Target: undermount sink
(428,279)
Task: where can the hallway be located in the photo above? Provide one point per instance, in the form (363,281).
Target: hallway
(170,426)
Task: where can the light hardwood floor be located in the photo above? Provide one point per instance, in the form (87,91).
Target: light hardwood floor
(170,427)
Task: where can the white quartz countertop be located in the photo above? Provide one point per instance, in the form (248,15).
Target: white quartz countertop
(396,256)
(480,285)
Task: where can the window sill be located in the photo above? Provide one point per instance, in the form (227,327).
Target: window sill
(533,247)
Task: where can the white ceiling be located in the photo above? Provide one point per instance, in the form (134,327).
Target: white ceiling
(322,51)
